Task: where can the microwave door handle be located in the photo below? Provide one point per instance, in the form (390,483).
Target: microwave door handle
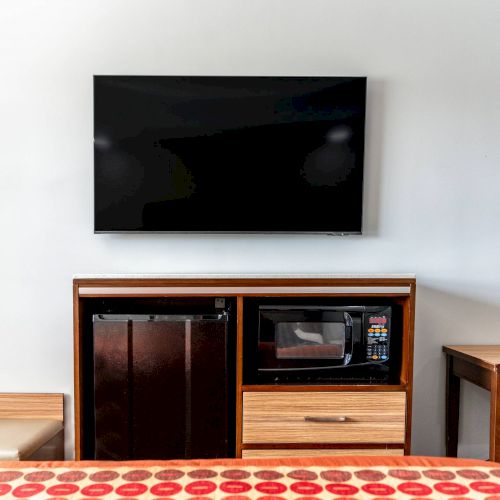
(347,319)
(349,334)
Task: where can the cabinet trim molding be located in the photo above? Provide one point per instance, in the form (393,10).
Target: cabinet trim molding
(86,291)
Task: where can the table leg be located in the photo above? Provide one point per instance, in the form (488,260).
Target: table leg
(494,418)
(452,408)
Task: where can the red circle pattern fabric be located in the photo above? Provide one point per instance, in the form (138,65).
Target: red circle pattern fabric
(248,482)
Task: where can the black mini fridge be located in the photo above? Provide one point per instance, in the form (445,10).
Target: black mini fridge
(161,386)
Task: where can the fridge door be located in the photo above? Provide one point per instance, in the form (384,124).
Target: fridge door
(160,386)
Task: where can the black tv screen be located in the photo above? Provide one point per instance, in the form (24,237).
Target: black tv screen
(228,154)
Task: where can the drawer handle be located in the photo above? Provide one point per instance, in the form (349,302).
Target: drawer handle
(326,419)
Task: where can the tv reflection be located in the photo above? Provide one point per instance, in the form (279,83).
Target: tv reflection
(330,164)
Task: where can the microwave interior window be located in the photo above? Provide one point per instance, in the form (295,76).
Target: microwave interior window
(307,340)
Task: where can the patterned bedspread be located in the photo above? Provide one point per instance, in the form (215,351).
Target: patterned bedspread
(264,479)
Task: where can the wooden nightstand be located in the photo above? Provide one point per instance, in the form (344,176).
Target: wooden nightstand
(478,364)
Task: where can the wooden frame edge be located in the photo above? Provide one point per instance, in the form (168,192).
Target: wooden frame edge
(77,372)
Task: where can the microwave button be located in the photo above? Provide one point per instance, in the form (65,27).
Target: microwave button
(377,330)
(384,330)
(374,356)
(383,356)
(370,330)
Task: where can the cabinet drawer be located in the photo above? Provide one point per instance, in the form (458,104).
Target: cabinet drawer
(324,417)
(317,452)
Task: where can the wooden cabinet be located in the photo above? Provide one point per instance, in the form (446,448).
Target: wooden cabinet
(273,419)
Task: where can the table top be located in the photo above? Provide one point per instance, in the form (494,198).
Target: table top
(487,356)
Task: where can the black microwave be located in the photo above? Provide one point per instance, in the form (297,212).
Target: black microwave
(323,344)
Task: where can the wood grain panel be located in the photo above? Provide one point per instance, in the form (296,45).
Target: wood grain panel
(320,452)
(77,370)
(406,376)
(495,418)
(473,373)
(487,356)
(280,417)
(31,406)
(239,374)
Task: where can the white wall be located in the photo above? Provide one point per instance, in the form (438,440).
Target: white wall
(432,189)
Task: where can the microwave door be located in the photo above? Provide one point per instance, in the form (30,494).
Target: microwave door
(314,341)
(309,341)
(310,345)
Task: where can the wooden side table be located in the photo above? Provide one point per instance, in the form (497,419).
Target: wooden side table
(478,364)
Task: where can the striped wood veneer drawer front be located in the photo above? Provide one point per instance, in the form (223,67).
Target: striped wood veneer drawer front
(285,417)
(319,452)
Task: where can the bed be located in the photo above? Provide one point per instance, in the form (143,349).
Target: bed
(264,479)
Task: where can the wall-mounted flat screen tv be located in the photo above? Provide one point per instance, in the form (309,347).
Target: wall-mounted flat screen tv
(228,154)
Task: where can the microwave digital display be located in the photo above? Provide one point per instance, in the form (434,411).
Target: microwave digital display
(309,340)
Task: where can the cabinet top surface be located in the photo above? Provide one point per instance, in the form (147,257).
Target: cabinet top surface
(484,355)
(245,276)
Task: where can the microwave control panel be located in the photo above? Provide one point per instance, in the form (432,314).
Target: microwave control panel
(377,336)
